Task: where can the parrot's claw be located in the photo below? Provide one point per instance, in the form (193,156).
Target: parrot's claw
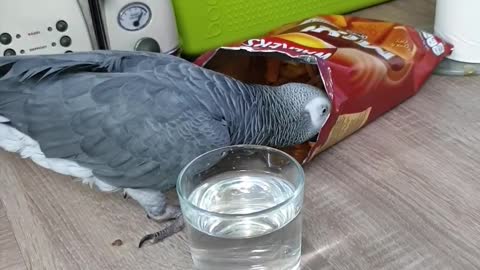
(172,229)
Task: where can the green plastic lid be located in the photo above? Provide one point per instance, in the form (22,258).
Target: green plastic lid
(208,24)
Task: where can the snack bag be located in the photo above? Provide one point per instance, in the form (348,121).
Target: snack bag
(367,67)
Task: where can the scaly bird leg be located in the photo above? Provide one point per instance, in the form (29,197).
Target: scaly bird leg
(155,204)
(177,225)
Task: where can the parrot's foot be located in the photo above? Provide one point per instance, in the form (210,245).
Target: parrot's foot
(155,204)
(172,229)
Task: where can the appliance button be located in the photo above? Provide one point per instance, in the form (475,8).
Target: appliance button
(65,41)
(147,44)
(61,26)
(9,52)
(5,38)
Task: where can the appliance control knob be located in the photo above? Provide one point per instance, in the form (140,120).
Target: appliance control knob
(5,38)
(147,44)
(61,26)
(65,41)
(9,52)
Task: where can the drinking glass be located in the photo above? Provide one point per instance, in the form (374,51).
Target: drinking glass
(242,208)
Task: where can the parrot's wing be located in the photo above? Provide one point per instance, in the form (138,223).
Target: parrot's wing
(131,129)
(43,66)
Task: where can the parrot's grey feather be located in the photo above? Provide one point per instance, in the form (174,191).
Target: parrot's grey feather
(32,66)
(108,118)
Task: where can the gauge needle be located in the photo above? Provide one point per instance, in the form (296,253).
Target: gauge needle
(137,22)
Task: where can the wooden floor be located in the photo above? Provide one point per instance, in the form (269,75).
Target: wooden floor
(408,201)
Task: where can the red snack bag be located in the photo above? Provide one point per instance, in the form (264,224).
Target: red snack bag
(366,67)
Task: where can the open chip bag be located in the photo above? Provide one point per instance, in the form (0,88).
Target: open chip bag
(366,67)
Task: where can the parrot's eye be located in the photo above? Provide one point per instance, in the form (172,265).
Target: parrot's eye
(324,110)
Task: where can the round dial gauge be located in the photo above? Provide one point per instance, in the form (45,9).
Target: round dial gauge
(134,16)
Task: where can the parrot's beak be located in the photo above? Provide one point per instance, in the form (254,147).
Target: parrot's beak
(314,138)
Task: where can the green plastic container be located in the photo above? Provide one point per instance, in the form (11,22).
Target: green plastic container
(208,24)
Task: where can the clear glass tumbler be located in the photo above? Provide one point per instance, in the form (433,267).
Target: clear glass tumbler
(242,208)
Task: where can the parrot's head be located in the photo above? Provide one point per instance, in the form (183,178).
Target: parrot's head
(307,109)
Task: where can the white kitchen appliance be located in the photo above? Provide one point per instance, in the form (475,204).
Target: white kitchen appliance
(43,27)
(63,26)
(455,22)
(147,25)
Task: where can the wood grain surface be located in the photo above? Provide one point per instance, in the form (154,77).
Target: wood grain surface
(10,256)
(402,193)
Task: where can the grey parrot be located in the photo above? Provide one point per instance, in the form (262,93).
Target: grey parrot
(129,121)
